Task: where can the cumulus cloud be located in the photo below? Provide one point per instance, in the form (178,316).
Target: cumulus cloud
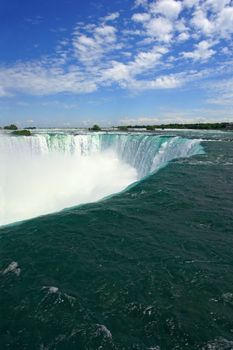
(190,3)
(160,28)
(216,5)
(202,23)
(112,16)
(139,3)
(183,36)
(141,17)
(214,18)
(168,8)
(202,51)
(161,82)
(125,74)
(225,21)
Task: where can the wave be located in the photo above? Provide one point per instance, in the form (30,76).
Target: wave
(49,172)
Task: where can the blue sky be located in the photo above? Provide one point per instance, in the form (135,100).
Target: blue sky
(75,63)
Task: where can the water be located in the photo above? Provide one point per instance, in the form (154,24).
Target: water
(149,268)
(55,171)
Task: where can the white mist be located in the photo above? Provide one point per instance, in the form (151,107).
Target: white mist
(48,172)
(33,185)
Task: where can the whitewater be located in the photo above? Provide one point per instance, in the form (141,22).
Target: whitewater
(147,268)
(48,172)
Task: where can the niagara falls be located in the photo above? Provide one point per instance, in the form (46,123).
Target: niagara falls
(55,171)
(116,175)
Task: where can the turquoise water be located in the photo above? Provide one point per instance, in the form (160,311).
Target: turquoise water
(148,268)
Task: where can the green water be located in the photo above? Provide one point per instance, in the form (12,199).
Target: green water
(149,268)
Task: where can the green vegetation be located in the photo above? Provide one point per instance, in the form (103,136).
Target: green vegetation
(194,126)
(199,126)
(95,128)
(122,128)
(150,127)
(10,127)
(21,133)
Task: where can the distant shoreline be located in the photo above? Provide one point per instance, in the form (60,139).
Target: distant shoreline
(223,126)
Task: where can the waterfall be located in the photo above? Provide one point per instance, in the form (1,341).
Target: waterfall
(48,172)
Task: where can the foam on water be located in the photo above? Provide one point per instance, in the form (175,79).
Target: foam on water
(13,267)
(48,172)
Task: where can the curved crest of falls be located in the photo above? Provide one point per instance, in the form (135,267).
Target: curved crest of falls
(48,172)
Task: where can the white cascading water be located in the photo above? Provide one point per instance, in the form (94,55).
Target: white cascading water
(45,173)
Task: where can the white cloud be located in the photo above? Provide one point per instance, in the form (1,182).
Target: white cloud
(180,26)
(146,60)
(141,17)
(225,21)
(112,16)
(138,3)
(225,50)
(214,18)
(183,37)
(106,32)
(168,8)
(190,3)
(35,79)
(216,5)
(202,23)
(167,82)
(97,41)
(143,52)
(162,82)
(118,72)
(160,28)
(202,52)
(126,73)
